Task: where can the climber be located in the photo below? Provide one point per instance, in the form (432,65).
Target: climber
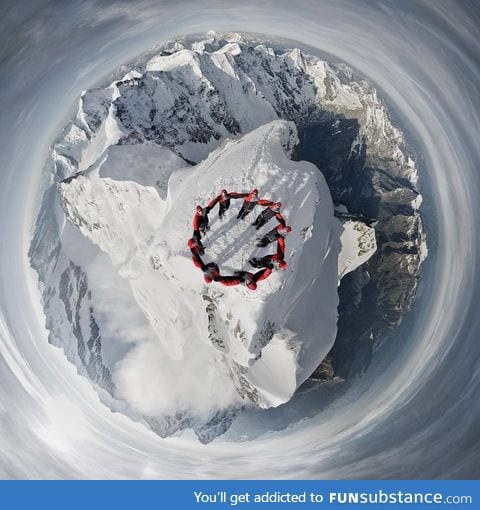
(263,274)
(196,250)
(211,272)
(281,247)
(237,278)
(197,260)
(273,261)
(200,222)
(273,209)
(250,201)
(196,246)
(223,201)
(278,232)
(249,279)
(197,237)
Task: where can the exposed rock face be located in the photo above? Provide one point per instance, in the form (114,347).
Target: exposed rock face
(375,180)
(74,289)
(67,300)
(175,107)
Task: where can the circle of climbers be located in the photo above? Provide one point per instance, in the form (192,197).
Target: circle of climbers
(265,264)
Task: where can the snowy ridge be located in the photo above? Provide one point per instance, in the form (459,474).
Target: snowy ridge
(222,87)
(358,245)
(259,332)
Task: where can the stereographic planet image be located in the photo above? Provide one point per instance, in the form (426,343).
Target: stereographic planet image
(239,239)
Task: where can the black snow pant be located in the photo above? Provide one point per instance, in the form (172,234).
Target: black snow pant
(229,280)
(264,217)
(271,237)
(247,207)
(262,262)
(198,239)
(223,207)
(203,227)
(199,262)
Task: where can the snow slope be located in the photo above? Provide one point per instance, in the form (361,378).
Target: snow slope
(358,245)
(258,341)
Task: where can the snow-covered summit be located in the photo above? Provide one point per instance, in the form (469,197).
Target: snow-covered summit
(266,342)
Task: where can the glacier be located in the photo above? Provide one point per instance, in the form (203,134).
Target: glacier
(120,293)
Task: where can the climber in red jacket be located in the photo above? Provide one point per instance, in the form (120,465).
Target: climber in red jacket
(223,201)
(273,261)
(263,274)
(273,209)
(278,232)
(211,272)
(238,278)
(249,279)
(197,260)
(195,246)
(200,223)
(196,250)
(250,201)
(281,247)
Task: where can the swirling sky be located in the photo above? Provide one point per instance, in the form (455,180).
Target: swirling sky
(419,418)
